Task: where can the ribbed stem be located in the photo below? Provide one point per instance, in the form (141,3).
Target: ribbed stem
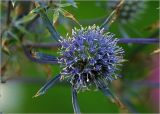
(75,102)
(121,40)
(139,40)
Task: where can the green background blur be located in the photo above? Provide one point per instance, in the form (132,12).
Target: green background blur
(17,92)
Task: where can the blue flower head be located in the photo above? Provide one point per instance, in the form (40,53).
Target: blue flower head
(89,55)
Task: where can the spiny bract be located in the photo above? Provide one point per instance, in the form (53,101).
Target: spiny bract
(89,55)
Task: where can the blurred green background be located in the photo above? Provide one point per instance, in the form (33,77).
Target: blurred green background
(25,78)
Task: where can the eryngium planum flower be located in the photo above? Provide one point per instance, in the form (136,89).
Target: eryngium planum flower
(88,56)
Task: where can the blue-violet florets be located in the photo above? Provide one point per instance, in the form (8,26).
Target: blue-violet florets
(88,55)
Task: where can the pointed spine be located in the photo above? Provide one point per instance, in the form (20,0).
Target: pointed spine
(48,85)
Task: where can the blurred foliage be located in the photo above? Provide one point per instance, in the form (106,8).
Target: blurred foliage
(20,24)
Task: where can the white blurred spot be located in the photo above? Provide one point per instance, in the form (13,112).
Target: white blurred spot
(11,96)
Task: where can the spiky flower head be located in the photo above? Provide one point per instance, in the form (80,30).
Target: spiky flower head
(129,10)
(88,55)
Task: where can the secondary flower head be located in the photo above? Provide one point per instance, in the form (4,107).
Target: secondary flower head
(129,10)
(89,55)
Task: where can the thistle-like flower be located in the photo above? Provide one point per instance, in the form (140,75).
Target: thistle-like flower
(129,10)
(88,56)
